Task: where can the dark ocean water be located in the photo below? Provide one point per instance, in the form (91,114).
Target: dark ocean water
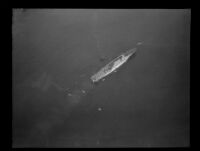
(146,103)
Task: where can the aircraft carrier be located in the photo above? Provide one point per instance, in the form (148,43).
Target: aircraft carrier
(113,65)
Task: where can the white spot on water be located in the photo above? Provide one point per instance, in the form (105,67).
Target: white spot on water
(69,94)
(83,91)
(99,109)
(139,43)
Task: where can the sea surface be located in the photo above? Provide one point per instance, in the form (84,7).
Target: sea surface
(146,103)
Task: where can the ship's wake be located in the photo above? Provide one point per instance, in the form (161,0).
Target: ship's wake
(76,95)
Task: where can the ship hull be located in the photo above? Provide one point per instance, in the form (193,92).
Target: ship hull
(112,66)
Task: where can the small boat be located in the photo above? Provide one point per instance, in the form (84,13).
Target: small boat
(113,65)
